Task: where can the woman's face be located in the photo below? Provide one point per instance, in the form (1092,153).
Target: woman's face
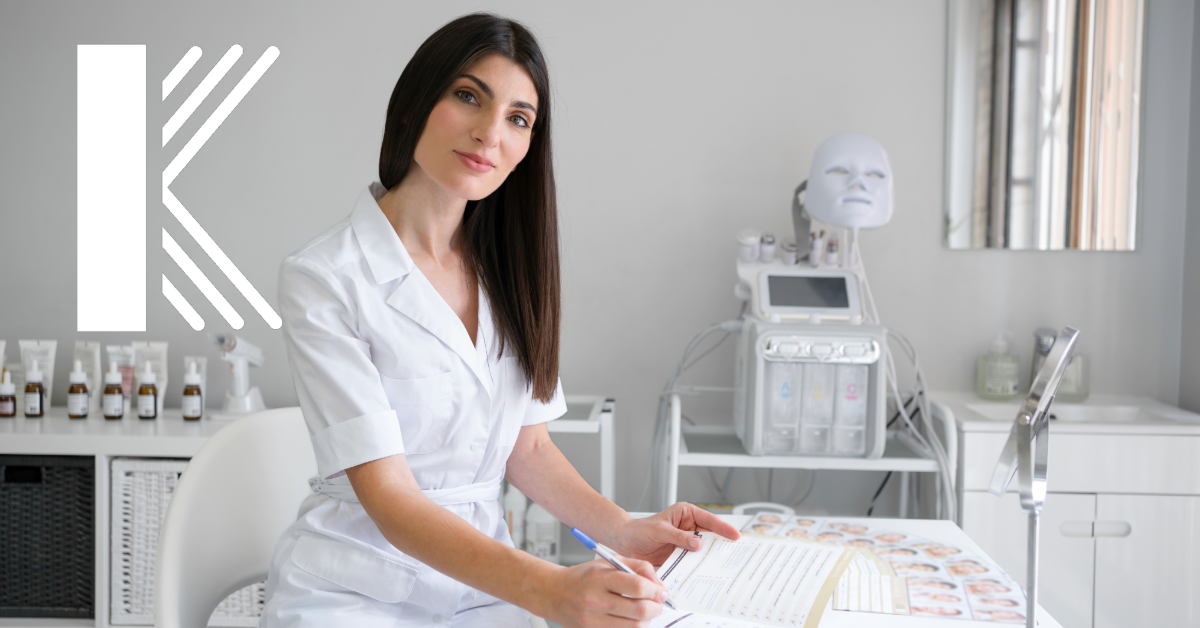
(480,129)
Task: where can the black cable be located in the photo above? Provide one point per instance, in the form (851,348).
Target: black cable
(871,508)
(915,412)
(725,486)
(811,485)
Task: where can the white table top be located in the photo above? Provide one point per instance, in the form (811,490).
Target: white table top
(934,530)
(57,435)
(1157,417)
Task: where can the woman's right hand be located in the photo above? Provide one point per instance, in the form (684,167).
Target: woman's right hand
(594,594)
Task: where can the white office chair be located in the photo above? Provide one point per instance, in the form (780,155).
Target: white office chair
(236,498)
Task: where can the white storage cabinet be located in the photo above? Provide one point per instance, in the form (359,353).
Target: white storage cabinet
(136,466)
(1120,531)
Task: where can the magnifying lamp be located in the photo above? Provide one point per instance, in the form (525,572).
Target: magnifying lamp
(1024,455)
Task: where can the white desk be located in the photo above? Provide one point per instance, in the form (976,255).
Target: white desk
(169,436)
(937,530)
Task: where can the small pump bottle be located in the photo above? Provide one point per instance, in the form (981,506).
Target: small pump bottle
(35,394)
(78,395)
(8,396)
(147,394)
(113,401)
(193,401)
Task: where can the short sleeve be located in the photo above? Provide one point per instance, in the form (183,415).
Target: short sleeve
(539,412)
(338,386)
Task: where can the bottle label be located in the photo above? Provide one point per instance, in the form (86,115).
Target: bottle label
(114,405)
(146,406)
(1001,378)
(8,406)
(33,403)
(192,407)
(77,404)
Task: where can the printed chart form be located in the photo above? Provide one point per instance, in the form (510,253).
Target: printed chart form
(870,585)
(773,581)
(941,580)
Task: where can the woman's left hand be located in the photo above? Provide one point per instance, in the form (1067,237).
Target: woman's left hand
(654,538)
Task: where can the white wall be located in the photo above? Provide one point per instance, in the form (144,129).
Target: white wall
(676,125)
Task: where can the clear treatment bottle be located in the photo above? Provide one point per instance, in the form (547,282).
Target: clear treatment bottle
(998,374)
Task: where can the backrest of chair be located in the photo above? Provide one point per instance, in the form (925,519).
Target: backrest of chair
(237,496)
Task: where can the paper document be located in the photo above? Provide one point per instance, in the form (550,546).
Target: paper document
(761,580)
(685,619)
(870,585)
(942,580)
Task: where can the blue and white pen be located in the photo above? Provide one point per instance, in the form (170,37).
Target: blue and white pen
(610,556)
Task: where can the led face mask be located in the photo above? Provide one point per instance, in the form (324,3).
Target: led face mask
(850,183)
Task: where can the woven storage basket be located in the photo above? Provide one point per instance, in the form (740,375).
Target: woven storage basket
(47,536)
(141,491)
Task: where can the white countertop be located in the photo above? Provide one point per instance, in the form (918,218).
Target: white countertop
(56,434)
(1151,416)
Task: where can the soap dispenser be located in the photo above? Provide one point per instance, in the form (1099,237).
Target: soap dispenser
(998,374)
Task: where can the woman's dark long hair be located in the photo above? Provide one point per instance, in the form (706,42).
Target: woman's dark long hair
(511,237)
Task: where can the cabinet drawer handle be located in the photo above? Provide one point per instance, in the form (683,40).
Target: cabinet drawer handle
(1078,529)
(1092,529)
(1113,528)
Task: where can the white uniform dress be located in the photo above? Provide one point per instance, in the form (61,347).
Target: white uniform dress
(383,366)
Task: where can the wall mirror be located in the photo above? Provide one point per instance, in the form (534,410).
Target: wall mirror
(1043,123)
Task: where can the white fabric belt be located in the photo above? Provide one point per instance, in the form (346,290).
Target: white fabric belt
(340,488)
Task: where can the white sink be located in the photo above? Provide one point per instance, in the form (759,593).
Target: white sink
(1087,413)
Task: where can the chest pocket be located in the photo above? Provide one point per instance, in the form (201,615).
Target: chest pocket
(424,407)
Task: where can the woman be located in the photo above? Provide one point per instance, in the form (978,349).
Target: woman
(423,337)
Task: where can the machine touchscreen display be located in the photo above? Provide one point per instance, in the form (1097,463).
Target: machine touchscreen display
(822,292)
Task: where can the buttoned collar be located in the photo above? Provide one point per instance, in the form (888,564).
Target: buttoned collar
(381,246)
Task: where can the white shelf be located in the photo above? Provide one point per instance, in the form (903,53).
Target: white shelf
(55,434)
(719,446)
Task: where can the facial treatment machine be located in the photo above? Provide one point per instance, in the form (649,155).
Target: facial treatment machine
(814,369)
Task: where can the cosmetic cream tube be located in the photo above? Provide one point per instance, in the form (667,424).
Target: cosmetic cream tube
(88,352)
(201,362)
(156,354)
(43,351)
